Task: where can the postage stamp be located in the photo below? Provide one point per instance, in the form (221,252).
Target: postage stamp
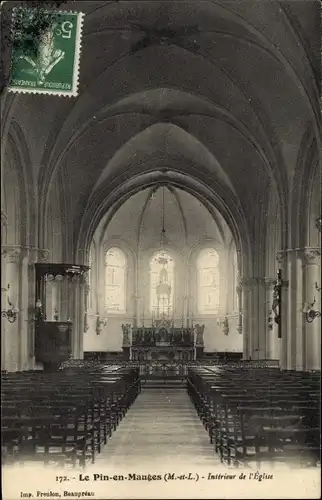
(45,52)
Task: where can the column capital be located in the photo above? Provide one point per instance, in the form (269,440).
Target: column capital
(38,255)
(281,256)
(247,282)
(4,218)
(312,254)
(43,255)
(12,253)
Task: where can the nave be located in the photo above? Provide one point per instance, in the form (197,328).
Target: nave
(99,414)
(161,426)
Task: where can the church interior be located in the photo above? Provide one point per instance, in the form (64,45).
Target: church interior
(161,241)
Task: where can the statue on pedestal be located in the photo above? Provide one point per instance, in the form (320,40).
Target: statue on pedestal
(199,329)
(126,334)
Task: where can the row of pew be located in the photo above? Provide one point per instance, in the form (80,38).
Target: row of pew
(64,417)
(256,416)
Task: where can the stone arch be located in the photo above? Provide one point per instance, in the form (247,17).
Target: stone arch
(205,194)
(20,180)
(303,180)
(313,237)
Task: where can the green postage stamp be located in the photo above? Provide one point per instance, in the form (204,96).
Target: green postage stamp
(45,52)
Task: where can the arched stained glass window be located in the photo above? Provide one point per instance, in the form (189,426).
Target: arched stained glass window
(161,284)
(115,277)
(208,281)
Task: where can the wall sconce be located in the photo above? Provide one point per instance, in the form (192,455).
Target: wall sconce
(309,312)
(99,324)
(86,325)
(318,223)
(12,312)
(224,323)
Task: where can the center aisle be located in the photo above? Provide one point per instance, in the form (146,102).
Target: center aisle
(161,426)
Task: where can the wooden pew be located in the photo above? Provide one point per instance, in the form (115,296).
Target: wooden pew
(257,414)
(64,417)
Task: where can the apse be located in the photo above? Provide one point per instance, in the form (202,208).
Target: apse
(163,254)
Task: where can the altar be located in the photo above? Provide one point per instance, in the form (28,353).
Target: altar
(162,353)
(161,342)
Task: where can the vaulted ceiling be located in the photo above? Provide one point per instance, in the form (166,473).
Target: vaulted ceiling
(219,91)
(140,220)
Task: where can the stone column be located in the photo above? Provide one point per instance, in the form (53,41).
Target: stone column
(260,314)
(4,307)
(87,291)
(4,226)
(294,343)
(4,283)
(284,343)
(239,290)
(64,300)
(31,306)
(137,309)
(312,277)
(246,318)
(24,307)
(185,309)
(42,258)
(12,355)
(189,308)
(100,295)
(253,325)
(79,315)
(270,327)
(252,305)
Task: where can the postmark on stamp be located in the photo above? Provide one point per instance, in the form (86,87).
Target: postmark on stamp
(45,60)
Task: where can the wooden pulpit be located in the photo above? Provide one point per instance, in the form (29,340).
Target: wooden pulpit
(53,343)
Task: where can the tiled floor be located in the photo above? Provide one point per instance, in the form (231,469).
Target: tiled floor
(161,426)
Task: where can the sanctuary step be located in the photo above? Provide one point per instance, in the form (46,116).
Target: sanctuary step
(164,384)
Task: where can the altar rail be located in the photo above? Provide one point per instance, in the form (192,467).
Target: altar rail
(170,367)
